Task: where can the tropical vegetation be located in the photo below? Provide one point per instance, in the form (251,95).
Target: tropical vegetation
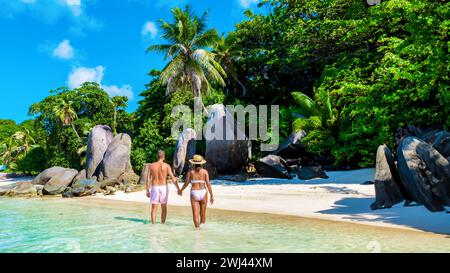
(347,73)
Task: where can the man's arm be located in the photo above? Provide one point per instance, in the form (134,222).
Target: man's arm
(173,178)
(149,180)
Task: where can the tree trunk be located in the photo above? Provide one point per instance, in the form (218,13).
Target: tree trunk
(73,127)
(244,89)
(198,103)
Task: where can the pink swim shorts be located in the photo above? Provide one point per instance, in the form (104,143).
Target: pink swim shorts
(159,195)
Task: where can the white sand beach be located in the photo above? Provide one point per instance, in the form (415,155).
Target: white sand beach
(341,197)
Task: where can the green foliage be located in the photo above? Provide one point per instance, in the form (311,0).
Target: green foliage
(7,128)
(146,144)
(384,66)
(34,162)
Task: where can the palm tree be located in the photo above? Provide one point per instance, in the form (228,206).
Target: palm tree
(314,114)
(118,102)
(191,66)
(24,140)
(228,55)
(8,151)
(64,110)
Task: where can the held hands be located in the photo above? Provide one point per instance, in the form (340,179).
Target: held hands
(180,192)
(147,193)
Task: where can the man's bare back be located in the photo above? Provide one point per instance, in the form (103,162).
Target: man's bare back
(158,173)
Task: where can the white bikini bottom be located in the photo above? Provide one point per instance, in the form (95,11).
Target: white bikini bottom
(198,194)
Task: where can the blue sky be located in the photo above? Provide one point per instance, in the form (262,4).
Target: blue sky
(46,44)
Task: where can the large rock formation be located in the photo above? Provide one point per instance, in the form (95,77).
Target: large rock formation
(273,166)
(98,141)
(292,146)
(227,147)
(387,180)
(184,150)
(442,143)
(46,175)
(58,183)
(307,173)
(116,161)
(425,173)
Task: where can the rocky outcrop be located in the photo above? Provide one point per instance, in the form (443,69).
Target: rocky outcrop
(46,175)
(129,177)
(185,149)
(144,174)
(98,141)
(387,180)
(212,171)
(307,173)
(227,147)
(117,157)
(292,146)
(273,166)
(80,176)
(84,187)
(58,183)
(425,173)
(19,189)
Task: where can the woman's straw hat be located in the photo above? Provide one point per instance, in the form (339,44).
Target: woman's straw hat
(197,159)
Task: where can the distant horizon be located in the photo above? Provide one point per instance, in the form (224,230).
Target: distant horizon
(51,44)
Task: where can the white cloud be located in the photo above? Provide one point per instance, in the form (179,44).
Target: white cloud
(247,3)
(80,75)
(149,28)
(114,90)
(73,2)
(64,50)
(75,7)
(52,12)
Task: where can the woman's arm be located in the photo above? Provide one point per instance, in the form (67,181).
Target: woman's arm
(208,185)
(186,183)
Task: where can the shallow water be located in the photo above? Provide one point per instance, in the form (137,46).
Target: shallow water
(87,225)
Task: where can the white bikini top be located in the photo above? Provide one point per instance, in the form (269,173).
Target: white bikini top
(197,181)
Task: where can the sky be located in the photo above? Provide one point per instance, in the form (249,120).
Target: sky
(47,44)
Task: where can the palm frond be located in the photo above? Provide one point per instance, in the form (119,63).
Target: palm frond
(307,106)
(207,39)
(307,124)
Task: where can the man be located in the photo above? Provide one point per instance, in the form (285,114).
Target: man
(157,188)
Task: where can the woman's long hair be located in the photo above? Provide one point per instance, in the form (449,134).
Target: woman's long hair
(197,167)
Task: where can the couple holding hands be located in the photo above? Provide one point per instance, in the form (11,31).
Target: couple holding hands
(158,190)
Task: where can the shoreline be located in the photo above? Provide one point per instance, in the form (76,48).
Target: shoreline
(341,197)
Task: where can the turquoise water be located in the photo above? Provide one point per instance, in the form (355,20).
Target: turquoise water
(86,225)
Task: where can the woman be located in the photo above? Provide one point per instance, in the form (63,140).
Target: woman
(199,178)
